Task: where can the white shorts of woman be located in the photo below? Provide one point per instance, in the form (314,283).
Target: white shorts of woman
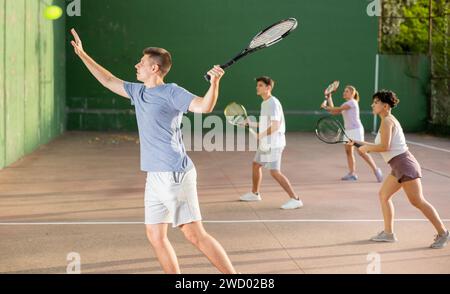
(355,134)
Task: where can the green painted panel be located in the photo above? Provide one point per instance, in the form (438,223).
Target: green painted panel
(59,74)
(31,80)
(408,76)
(32,77)
(14,55)
(2,86)
(73,121)
(46,75)
(335,40)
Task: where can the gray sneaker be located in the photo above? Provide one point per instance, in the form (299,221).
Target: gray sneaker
(349,177)
(384,237)
(379,175)
(440,241)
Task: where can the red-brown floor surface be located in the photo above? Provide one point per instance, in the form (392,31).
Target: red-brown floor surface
(84,192)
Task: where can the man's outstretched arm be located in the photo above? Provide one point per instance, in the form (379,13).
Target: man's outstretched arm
(207,103)
(106,78)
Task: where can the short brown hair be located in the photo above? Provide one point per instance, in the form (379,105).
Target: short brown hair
(387,96)
(266,80)
(161,57)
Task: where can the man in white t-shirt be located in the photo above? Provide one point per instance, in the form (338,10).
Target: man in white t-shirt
(271,134)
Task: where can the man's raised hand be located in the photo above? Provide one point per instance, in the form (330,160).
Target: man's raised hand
(76,43)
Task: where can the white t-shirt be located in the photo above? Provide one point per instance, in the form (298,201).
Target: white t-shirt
(271,110)
(351,115)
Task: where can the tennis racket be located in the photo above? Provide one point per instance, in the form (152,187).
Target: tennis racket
(329,90)
(267,37)
(331,131)
(236,114)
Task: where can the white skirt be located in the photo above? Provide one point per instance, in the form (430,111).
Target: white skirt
(355,134)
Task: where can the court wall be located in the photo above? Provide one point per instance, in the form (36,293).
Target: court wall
(32,78)
(334,40)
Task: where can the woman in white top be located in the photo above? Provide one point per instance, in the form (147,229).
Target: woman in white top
(354,130)
(406,172)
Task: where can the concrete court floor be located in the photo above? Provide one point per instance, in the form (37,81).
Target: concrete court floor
(83,193)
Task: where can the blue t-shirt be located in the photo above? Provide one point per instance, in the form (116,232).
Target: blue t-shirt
(159,112)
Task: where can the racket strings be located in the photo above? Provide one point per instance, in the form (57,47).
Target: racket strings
(331,88)
(330,131)
(236,120)
(235,113)
(273,33)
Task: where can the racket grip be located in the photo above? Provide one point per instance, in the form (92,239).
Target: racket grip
(356,145)
(223,66)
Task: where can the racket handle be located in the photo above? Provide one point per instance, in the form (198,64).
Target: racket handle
(356,145)
(223,66)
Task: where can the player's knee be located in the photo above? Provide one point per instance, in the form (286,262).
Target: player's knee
(256,165)
(275,173)
(154,237)
(191,235)
(383,196)
(417,203)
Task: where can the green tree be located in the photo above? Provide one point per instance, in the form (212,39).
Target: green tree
(405,30)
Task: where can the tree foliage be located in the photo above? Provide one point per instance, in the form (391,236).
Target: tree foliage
(405,30)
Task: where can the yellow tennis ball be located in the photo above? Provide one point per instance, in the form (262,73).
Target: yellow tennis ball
(53,12)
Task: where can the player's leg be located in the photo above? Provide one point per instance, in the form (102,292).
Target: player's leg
(210,247)
(351,176)
(284,183)
(275,171)
(256,183)
(388,189)
(369,160)
(256,177)
(295,201)
(156,222)
(157,235)
(413,190)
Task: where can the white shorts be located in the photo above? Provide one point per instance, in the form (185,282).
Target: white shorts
(271,159)
(355,134)
(171,197)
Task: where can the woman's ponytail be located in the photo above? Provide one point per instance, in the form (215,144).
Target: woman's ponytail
(355,93)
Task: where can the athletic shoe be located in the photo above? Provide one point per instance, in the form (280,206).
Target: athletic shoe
(292,204)
(379,175)
(349,177)
(251,197)
(440,241)
(384,237)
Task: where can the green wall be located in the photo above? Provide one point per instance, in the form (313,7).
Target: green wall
(409,77)
(32,77)
(335,40)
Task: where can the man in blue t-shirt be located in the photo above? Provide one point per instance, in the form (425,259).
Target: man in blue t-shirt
(171,186)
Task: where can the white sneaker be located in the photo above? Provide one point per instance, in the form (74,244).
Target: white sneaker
(292,204)
(250,197)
